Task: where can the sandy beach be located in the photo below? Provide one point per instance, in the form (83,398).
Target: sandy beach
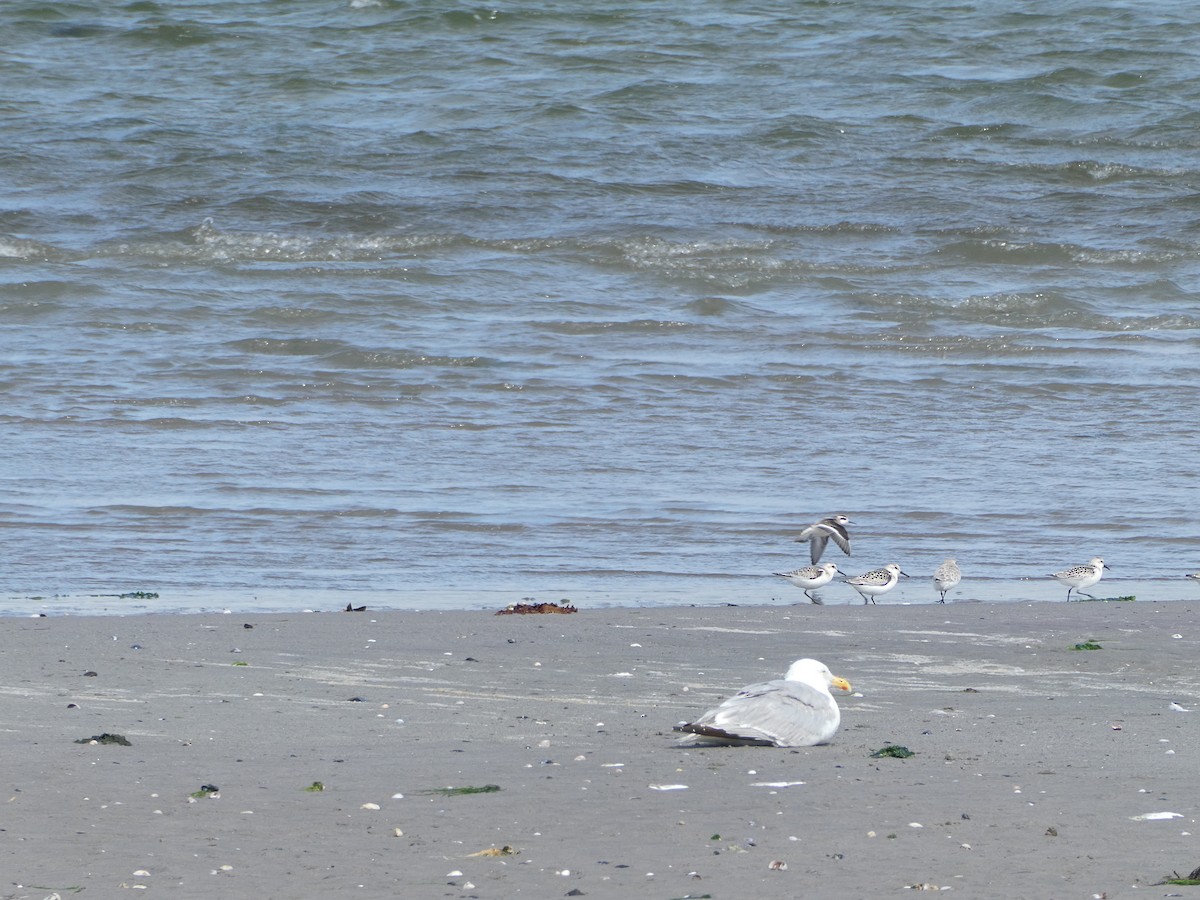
(1038,770)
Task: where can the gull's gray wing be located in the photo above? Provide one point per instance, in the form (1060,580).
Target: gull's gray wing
(781,713)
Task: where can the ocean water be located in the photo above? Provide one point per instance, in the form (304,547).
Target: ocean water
(422,305)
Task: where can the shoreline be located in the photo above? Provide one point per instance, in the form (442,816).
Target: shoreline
(697,592)
(1032,759)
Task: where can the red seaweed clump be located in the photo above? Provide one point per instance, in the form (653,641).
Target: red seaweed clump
(532,607)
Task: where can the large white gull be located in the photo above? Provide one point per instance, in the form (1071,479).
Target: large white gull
(794,711)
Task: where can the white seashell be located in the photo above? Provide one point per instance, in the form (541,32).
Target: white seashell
(369,806)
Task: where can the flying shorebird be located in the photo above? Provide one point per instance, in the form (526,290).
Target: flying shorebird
(946,577)
(819,533)
(794,711)
(1077,578)
(810,578)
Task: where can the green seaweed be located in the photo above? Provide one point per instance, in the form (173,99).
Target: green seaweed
(240,663)
(1192,878)
(1087,645)
(455,791)
(1128,598)
(893,751)
(315,787)
(106,738)
(206,791)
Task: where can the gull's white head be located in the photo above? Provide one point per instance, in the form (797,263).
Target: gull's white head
(815,673)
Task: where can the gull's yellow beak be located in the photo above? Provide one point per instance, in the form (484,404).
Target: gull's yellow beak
(841,683)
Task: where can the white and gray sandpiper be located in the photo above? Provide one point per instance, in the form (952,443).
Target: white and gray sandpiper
(810,578)
(794,711)
(878,581)
(947,577)
(1077,578)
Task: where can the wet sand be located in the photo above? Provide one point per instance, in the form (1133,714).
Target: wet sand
(1032,761)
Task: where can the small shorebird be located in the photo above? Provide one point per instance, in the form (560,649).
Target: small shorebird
(794,711)
(946,577)
(810,578)
(877,581)
(818,534)
(1195,575)
(1077,578)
